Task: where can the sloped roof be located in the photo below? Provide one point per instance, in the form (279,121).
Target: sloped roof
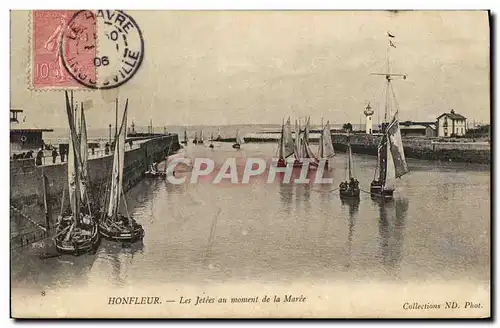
(23,126)
(453,116)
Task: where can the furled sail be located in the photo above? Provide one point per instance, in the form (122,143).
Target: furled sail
(196,136)
(118,163)
(297,148)
(73,160)
(83,154)
(185,135)
(396,147)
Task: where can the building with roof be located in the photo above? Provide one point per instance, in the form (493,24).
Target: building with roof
(451,124)
(417,129)
(24,136)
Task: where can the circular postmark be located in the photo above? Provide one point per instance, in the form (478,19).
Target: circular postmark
(102,49)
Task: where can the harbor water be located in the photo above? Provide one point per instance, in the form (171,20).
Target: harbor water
(437,228)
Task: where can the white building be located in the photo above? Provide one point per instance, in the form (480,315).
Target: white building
(451,124)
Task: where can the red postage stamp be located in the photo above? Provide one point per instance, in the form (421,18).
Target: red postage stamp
(63,49)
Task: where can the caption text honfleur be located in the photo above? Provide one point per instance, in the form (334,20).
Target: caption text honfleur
(204,300)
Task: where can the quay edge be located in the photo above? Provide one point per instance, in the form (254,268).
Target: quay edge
(26,189)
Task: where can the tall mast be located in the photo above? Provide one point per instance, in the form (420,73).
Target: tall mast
(389,76)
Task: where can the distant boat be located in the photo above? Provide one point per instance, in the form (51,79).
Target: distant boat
(115,226)
(211,140)
(302,149)
(349,188)
(391,162)
(77,232)
(306,152)
(200,141)
(239,141)
(218,136)
(185,141)
(195,140)
(326,151)
(286,147)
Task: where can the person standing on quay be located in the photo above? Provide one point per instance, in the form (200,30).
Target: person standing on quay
(54,155)
(39,157)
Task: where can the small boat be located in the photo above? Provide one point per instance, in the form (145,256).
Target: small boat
(211,141)
(326,151)
(77,231)
(285,144)
(154,172)
(349,188)
(115,226)
(200,141)
(302,150)
(239,141)
(391,162)
(185,141)
(218,136)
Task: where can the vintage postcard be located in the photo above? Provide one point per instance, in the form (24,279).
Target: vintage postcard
(250,164)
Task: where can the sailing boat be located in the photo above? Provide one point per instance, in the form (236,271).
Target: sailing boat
(349,188)
(218,136)
(326,151)
(211,140)
(391,162)
(113,225)
(77,231)
(200,141)
(239,140)
(195,140)
(286,146)
(306,151)
(185,141)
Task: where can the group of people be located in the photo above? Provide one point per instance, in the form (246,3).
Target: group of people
(40,155)
(352,184)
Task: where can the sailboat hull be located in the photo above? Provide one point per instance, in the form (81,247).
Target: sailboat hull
(121,233)
(377,190)
(349,193)
(236,146)
(78,245)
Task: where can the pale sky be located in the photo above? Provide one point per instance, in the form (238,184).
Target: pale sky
(242,67)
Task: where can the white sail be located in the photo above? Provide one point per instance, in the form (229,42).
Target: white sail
(326,145)
(396,147)
(288,143)
(84,154)
(350,159)
(306,149)
(390,170)
(239,139)
(201,135)
(118,163)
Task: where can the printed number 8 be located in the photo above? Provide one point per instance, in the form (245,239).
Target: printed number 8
(101,61)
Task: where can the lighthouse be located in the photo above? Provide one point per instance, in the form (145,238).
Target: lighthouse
(368,113)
